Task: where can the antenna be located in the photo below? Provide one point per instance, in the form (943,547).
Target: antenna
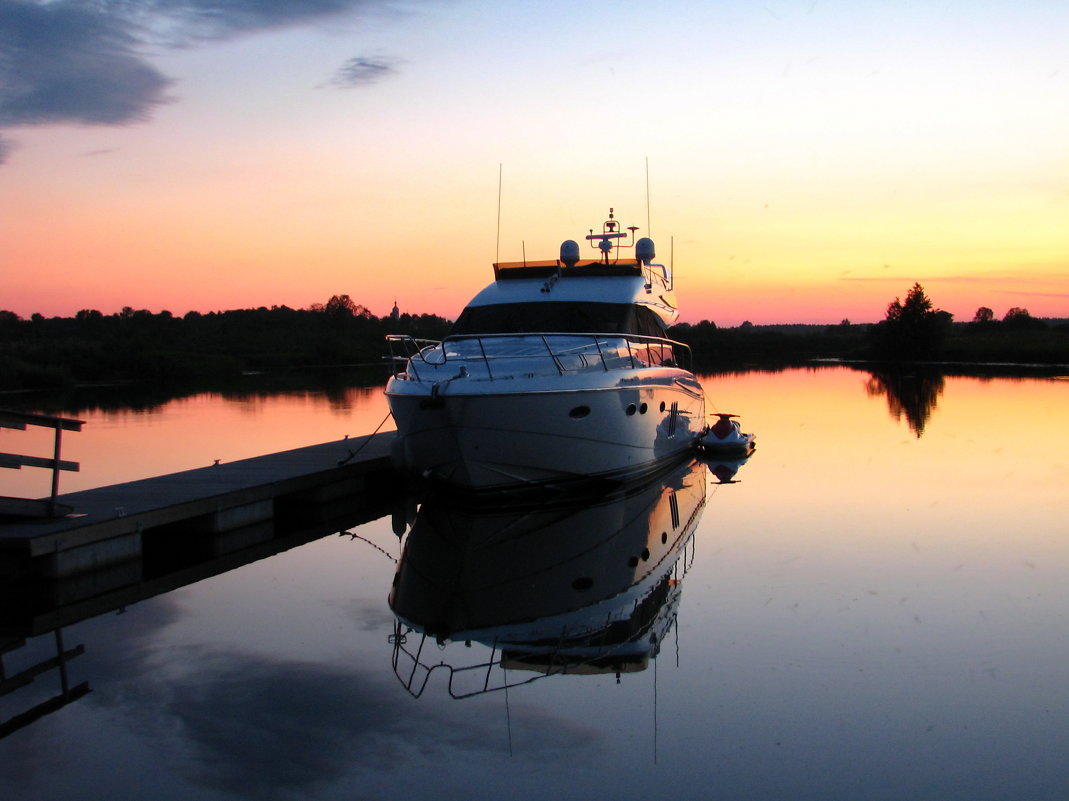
(508,713)
(497,247)
(649,228)
(654,710)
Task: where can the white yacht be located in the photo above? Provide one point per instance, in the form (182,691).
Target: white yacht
(557,371)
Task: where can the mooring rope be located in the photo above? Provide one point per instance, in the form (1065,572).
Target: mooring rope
(366,441)
(379,548)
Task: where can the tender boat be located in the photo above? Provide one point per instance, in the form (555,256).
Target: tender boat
(725,438)
(558,371)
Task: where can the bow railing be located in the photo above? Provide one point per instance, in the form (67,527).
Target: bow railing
(498,356)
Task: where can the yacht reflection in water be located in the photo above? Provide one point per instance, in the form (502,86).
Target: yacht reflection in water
(574,585)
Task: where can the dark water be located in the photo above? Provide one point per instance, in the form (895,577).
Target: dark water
(876,607)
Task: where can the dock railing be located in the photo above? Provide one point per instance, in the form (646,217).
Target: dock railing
(28,507)
(505,355)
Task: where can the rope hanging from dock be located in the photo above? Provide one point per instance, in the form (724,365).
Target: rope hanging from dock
(363,445)
(352,535)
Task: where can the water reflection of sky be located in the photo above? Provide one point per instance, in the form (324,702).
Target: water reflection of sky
(869,614)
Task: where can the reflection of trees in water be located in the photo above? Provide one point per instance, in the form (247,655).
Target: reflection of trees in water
(914,395)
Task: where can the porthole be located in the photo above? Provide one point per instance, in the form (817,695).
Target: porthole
(662,406)
(643,409)
(632,562)
(631,409)
(579,412)
(664,537)
(645,554)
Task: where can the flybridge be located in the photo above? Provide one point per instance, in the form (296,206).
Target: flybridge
(543,269)
(608,243)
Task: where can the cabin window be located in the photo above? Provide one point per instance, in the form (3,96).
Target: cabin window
(647,323)
(559,317)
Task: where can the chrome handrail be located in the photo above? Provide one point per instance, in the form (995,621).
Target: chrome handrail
(416,350)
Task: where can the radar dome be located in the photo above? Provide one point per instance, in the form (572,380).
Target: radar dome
(569,252)
(644,250)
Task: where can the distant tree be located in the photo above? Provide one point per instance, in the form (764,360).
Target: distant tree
(1015,313)
(912,329)
(746,325)
(983,315)
(841,328)
(1019,319)
(9,324)
(343,306)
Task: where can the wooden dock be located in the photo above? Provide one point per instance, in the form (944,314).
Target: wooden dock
(127,542)
(232,505)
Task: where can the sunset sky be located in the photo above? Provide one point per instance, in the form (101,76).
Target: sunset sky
(811,160)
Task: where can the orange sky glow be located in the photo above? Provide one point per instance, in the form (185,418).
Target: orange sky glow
(807,162)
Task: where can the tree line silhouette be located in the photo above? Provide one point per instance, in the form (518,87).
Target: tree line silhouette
(139,345)
(92,347)
(913,330)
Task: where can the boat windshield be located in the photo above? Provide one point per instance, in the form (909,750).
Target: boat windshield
(559,317)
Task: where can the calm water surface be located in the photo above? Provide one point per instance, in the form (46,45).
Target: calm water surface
(876,608)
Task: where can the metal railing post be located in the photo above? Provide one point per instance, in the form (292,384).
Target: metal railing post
(552,355)
(486,359)
(55,471)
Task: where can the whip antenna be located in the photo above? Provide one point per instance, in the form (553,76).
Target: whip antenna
(497,247)
(649,229)
(672,260)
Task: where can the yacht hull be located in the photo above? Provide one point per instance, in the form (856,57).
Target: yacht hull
(477,436)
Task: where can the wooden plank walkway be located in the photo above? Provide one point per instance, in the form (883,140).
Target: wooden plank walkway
(108,522)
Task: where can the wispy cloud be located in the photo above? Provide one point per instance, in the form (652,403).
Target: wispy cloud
(1002,278)
(183,22)
(64,62)
(280,729)
(1023,293)
(87,63)
(363,70)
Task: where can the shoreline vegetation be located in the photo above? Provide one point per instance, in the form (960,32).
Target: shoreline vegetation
(160,349)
